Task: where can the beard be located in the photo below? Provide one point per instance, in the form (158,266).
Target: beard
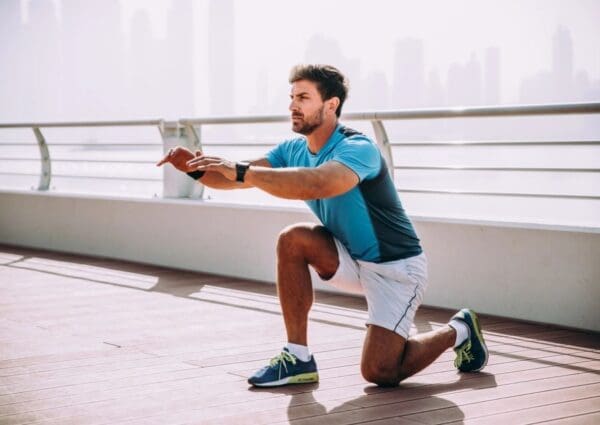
(307,125)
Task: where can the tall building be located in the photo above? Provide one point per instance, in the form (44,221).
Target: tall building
(491,76)
(146,84)
(408,85)
(464,83)
(562,63)
(12,85)
(221,57)
(177,61)
(327,50)
(93,54)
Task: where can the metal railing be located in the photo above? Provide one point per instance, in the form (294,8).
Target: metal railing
(45,175)
(376,119)
(189,132)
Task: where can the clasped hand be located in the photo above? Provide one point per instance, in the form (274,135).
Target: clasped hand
(184,160)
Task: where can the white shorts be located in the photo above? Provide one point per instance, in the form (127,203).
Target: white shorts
(394,290)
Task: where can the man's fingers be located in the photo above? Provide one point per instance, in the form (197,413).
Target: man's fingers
(200,159)
(210,166)
(162,161)
(198,153)
(166,158)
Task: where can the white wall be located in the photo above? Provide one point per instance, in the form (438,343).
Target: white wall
(547,275)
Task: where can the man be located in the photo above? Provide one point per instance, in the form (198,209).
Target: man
(366,243)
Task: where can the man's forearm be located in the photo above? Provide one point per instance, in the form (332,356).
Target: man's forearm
(218,181)
(289,183)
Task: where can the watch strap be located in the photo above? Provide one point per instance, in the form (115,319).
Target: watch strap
(240,170)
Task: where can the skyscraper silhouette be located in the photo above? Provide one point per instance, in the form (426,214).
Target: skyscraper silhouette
(491,78)
(464,83)
(562,63)
(146,86)
(221,57)
(93,59)
(177,61)
(14,89)
(408,86)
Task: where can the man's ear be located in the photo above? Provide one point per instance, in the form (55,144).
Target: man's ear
(333,104)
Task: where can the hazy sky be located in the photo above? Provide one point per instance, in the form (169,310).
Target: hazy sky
(271,35)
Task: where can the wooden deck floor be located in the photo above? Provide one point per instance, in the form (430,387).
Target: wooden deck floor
(93,341)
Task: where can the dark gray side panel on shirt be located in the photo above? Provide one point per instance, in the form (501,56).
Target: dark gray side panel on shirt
(394,231)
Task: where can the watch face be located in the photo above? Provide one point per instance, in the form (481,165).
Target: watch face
(240,170)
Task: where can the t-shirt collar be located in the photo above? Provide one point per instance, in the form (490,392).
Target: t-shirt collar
(336,136)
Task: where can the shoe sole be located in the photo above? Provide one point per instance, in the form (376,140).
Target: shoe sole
(480,336)
(303,378)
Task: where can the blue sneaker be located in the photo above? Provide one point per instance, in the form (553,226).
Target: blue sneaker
(286,369)
(472,354)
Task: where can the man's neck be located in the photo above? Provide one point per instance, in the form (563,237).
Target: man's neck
(317,139)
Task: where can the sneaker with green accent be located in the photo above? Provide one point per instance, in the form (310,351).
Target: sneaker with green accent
(472,355)
(285,369)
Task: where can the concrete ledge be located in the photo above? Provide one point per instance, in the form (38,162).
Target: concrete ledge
(544,273)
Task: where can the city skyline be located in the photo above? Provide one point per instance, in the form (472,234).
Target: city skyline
(82,65)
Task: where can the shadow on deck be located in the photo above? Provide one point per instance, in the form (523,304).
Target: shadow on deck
(93,341)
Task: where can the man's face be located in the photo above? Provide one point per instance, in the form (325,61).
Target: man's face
(306,107)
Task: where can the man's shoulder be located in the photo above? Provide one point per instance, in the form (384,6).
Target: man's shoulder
(348,132)
(352,138)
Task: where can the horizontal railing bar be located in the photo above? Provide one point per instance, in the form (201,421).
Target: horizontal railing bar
(393,144)
(115,161)
(498,143)
(481,111)
(84,144)
(425,113)
(68,176)
(84,177)
(428,113)
(521,195)
(125,123)
(6,173)
(467,168)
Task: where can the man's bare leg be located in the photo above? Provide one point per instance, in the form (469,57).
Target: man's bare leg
(298,246)
(388,358)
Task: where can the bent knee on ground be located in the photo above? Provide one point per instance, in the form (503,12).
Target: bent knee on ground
(381,375)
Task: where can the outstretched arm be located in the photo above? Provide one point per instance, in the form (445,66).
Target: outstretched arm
(328,180)
(179,157)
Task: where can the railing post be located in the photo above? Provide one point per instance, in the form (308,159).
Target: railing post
(46,172)
(175,183)
(194,143)
(384,144)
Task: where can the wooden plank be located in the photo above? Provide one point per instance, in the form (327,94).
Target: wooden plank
(541,414)
(579,419)
(181,362)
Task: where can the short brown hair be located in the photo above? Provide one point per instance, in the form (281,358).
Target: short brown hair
(329,80)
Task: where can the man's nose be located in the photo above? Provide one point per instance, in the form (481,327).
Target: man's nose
(293,106)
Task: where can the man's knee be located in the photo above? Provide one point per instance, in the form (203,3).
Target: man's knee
(381,374)
(381,361)
(293,239)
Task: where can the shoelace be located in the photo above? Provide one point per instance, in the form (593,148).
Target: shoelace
(464,355)
(282,359)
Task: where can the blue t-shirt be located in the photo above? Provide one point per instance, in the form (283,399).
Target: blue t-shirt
(369,219)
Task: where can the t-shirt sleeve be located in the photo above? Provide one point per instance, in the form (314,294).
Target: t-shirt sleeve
(278,156)
(361,156)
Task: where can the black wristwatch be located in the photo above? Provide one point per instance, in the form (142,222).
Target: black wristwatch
(240,170)
(195,174)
